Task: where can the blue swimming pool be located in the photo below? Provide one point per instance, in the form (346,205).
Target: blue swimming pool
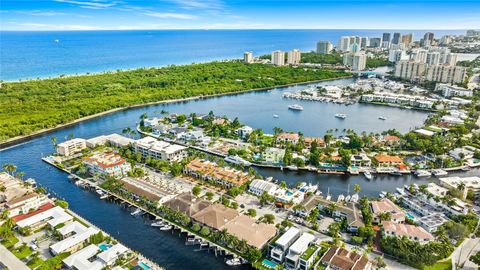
(144,266)
(409,216)
(269,264)
(104,246)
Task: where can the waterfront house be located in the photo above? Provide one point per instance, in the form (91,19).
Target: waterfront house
(308,142)
(249,229)
(150,122)
(258,187)
(390,140)
(288,138)
(279,248)
(71,147)
(151,147)
(220,121)
(109,256)
(25,204)
(461,153)
(297,249)
(432,222)
(387,206)
(215,216)
(110,163)
(388,161)
(74,242)
(244,131)
(337,258)
(348,210)
(287,197)
(273,155)
(52,216)
(71,228)
(436,190)
(211,172)
(84,259)
(187,203)
(360,160)
(411,232)
(471,183)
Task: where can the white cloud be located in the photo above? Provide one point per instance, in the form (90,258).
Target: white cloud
(168,15)
(53,27)
(89,4)
(41,12)
(199,4)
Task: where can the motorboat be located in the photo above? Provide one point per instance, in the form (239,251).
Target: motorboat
(383,194)
(341,115)
(292,168)
(275,116)
(237,160)
(354,198)
(368,175)
(439,172)
(395,173)
(166,228)
(341,198)
(159,223)
(235,261)
(138,211)
(422,173)
(382,118)
(295,107)
(99,192)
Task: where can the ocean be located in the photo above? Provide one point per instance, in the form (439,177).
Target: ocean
(40,54)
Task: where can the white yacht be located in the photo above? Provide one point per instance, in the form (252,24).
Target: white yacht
(292,168)
(235,261)
(159,223)
(341,115)
(237,160)
(382,118)
(422,173)
(275,116)
(166,228)
(136,212)
(439,172)
(341,198)
(295,107)
(368,175)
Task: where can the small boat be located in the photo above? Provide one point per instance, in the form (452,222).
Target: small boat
(341,115)
(166,228)
(292,168)
(104,196)
(275,116)
(354,198)
(422,173)
(295,107)
(382,118)
(395,173)
(237,160)
(341,198)
(136,212)
(159,223)
(439,172)
(99,192)
(383,194)
(368,175)
(234,262)
(57,40)
(466,169)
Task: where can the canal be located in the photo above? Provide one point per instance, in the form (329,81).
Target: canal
(254,109)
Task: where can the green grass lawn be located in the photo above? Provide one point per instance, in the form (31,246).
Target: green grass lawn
(22,252)
(35,262)
(10,241)
(445,265)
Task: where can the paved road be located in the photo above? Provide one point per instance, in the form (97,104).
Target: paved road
(461,254)
(10,261)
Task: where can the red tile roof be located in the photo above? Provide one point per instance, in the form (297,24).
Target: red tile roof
(41,209)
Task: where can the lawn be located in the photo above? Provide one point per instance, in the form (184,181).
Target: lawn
(9,242)
(445,265)
(22,251)
(35,262)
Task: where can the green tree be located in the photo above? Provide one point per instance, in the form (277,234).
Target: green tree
(196,190)
(268,218)
(61,203)
(205,231)
(252,212)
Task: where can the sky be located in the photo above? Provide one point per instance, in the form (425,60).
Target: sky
(218,14)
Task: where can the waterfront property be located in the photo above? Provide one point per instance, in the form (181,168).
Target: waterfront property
(387,206)
(52,217)
(108,164)
(471,183)
(297,249)
(151,147)
(258,187)
(388,161)
(278,250)
(256,234)
(337,258)
(211,172)
(347,210)
(411,232)
(71,147)
(25,204)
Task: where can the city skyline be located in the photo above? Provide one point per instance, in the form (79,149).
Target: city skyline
(217,14)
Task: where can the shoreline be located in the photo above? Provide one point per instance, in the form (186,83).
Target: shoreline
(20,139)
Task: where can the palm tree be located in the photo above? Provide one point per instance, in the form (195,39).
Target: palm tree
(332,207)
(10,168)
(20,175)
(53,139)
(356,188)
(71,136)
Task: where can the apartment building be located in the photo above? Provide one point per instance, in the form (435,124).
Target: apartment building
(211,172)
(151,147)
(110,163)
(71,147)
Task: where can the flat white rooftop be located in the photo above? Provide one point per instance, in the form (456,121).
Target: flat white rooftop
(80,260)
(72,241)
(302,243)
(287,236)
(54,216)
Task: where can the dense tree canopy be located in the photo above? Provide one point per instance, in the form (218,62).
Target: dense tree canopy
(29,106)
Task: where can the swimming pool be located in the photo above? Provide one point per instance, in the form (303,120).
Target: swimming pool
(144,266)
(269,264)
(409,216)
(104,246)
